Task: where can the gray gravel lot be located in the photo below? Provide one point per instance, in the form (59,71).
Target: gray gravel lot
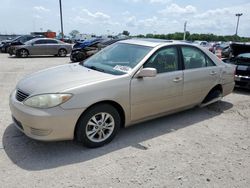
(201,147)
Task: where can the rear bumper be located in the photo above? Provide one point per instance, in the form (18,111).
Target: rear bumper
(242,81)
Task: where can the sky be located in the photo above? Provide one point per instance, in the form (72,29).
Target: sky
(136,16)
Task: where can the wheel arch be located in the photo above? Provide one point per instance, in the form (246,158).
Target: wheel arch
(116,105)
(23,49)
(217,87)
(62,48)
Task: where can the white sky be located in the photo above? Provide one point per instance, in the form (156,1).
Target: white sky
(136,16)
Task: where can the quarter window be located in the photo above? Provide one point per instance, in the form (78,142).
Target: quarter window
(164,60)
(195,58)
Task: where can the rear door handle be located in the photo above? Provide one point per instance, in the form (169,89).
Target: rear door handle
(213,73)
(177,79)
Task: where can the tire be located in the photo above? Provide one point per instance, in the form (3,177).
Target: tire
(23,53)
(78,56)
(92,131)
(62,52)
(81,56)
(212,95)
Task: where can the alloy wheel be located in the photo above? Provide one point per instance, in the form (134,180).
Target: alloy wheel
(100,127)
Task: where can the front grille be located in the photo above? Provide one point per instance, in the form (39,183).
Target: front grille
(21,96)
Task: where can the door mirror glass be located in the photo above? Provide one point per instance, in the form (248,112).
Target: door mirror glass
(146,72)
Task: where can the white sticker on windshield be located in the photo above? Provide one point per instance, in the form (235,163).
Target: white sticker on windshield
(122,68)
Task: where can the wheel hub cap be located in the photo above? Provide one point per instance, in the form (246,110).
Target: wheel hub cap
(100,127)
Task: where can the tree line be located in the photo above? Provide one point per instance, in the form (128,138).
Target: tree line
(196,36)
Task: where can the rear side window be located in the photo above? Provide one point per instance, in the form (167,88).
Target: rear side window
(164,60)
(51,42)
(40,42)
(195,58)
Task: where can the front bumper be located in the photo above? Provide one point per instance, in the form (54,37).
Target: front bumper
(242,81)
(44,124)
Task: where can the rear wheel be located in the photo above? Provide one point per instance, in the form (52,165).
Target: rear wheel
(23,53)
(212,95)
(62,52)
(98,125)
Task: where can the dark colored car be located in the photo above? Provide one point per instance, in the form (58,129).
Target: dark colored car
(2,45)
(86,43)
(80,54)
(20,40)
(241,58)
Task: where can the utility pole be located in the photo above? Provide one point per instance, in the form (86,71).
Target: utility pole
(238,20)
(60,3)
(185,29)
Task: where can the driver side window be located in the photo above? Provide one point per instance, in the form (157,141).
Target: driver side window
(164,60)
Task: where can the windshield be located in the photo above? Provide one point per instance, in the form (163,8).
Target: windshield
(16,39)
(30,42)
(118,58)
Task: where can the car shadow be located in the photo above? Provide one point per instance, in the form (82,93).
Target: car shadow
(34,155)
(243,91)
(37,56)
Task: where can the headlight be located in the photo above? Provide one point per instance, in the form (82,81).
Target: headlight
(47,100)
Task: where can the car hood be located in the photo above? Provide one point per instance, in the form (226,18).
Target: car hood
(60,78)
(240,48)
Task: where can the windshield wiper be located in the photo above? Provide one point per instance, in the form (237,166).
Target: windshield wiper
(95,68)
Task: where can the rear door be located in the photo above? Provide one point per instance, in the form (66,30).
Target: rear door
(200,75)
(51,47)
(155,95)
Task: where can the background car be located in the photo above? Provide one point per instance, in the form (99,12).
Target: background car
(240,58)
(20,40)
(80,54)
(125,83)
(42,46)
(87,42)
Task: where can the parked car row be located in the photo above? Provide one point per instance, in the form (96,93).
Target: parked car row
(28,45)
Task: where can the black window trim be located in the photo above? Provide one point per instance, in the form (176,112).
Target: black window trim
(182,58)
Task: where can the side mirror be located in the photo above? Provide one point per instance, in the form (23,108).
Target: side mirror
(146,72)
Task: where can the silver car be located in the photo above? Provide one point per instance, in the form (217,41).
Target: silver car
(128,82)
(42,46)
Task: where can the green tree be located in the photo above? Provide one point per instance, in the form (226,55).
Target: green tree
(73,33)
(125,33)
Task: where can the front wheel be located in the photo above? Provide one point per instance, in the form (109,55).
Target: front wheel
(62,52)
(22,53)
(98,126)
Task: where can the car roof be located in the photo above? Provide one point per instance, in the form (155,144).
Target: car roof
(35,39)
(150,42)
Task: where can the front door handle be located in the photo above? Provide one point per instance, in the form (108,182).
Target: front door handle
(213,73)
(177,79)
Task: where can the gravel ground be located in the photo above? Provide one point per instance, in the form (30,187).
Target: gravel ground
(201,147)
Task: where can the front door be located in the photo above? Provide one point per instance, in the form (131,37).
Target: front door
(154,95)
